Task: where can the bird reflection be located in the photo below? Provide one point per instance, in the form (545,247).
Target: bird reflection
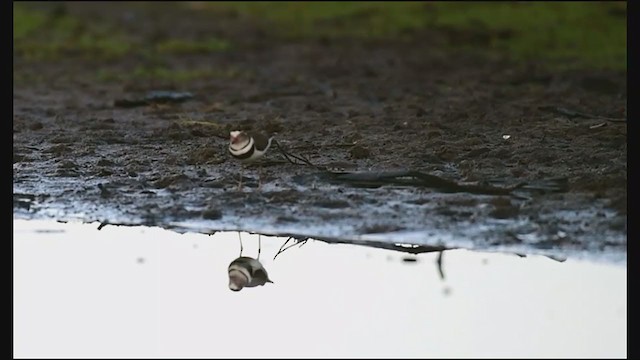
(246,271)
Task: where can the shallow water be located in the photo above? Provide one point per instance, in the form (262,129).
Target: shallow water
(149,292)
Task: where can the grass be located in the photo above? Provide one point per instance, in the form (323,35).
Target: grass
(176,46)
(48,36)
(335,19)
(25,22)
(582,34)
(591,33)
(38,36)
(588,34)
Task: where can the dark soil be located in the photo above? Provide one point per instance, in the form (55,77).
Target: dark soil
(354,106)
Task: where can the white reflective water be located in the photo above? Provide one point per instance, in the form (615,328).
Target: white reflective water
(148,292)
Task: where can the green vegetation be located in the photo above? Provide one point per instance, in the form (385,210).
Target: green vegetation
(592,34)
(175,46)
(25,22)
(38,36)
(334,19)
(585,34)
(50,36)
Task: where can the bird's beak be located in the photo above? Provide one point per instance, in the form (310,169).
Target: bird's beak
(234,139)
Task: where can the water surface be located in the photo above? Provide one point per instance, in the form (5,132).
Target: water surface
(149,292)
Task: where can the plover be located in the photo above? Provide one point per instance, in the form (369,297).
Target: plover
(248,147)
(247,272)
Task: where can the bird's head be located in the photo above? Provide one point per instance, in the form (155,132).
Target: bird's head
(237,280)
(238,139)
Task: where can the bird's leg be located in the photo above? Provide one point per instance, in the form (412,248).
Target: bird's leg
(259,177)
(240,237)
(240,180)
(259,246)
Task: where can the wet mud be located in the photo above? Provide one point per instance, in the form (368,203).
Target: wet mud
(154,152)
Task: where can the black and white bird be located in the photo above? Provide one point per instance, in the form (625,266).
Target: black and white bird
(248,147)
(247,272)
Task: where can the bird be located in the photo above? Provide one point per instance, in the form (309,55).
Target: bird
(247,272)
(247,147)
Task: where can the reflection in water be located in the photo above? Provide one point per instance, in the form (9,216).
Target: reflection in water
(296,241)
(439,263)
(139,292)
(246,271)
(411,249)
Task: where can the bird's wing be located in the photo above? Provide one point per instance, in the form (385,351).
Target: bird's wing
(261,141)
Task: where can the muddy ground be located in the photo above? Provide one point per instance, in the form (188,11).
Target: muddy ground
(81,152)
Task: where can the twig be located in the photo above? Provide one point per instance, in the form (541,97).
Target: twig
(315,146)
(301,242)
(572,113)
(290,246)
(419,179)
(598,125)
(439,262)
(282,151)
(288,156)
(280,250)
